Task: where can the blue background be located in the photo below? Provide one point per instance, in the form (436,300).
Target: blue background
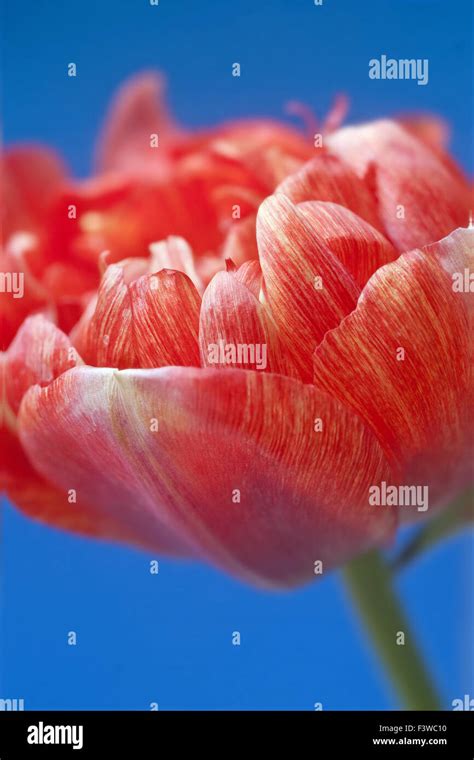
(166,638)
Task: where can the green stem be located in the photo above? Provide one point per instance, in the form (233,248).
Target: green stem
(454,518)
(370,583)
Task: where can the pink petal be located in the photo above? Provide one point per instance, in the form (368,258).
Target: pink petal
(250,275)
(148,322)
(165,308)
(240,244)
(137,111)
(107,341)
(175,253)
(30,177)
(307,288)
(329,178)
(236,330)
(419,406)
(38,354)
(221,434)
(358,246)
(420,199)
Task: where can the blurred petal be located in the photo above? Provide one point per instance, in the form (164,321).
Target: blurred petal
(112,214)
(420,199)
(308,290)
(79,333)
(30,176)
(430,129)
(249,137)
(272,165)
(402,362)
(235,469)
(175,253)
(240,244)
(21,294)
(65,281)
(358,246)
(137,111)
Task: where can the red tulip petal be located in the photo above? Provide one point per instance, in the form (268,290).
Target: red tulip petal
(137,112)
(435,132)
(272,164)
(165,308)
(79,335)
(64,281)
(40,500)
(432,130)
(307,288)
(419,405)
(30,177)
(115,214)
(175,253)
(240,244)
(146,322)
(250,275)
(247,137)
(38,354)
(420,199)
(236,330)
(21,294)
(328,178)
(359,247)
(235,468)
(108,339)
(36,497)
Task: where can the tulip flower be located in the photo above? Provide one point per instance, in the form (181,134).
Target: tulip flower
(131,426)
(233,388)
(153,179)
